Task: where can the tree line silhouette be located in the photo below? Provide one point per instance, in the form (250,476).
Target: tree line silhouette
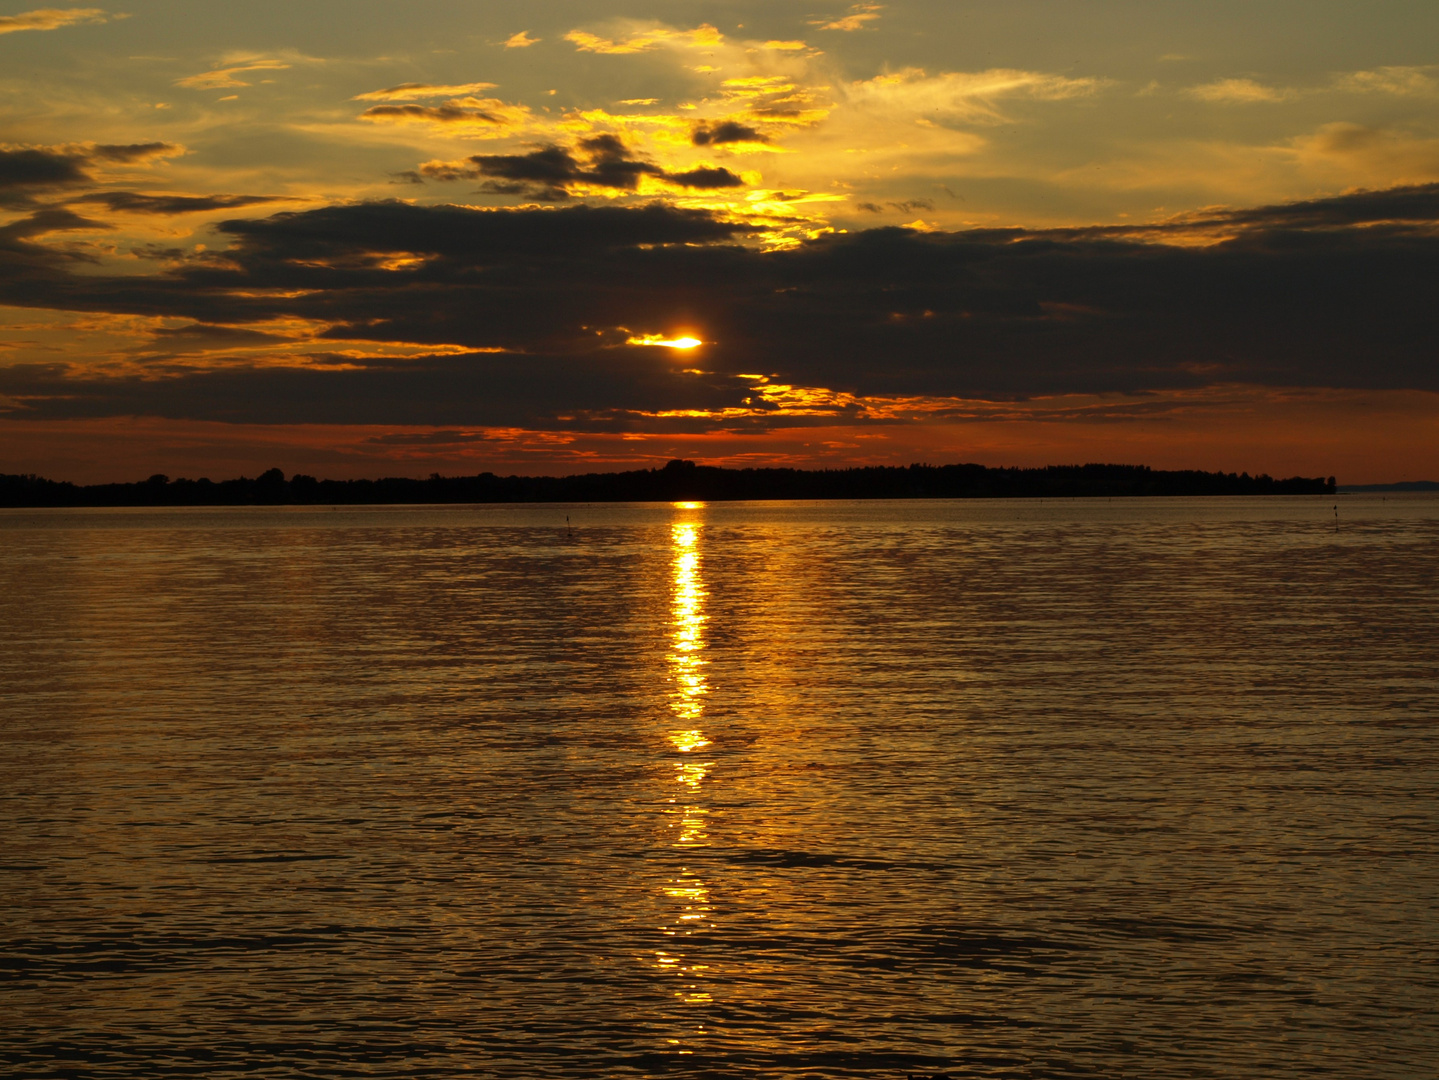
(677,481)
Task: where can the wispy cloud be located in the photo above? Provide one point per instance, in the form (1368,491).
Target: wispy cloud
(1353,152)
(414,91)
(1239,92)
(53,19)
(1399,81)
(645,40)
(855,19)
(132,152)
(130,202)
(600,164)
(488,118)
(522,40)
(966,94)
(225,78)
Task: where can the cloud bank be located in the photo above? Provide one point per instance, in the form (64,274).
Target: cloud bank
(523,317)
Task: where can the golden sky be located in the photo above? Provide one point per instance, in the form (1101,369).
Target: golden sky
(366,237)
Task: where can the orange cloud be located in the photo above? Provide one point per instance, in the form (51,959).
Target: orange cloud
(412,91)
(522,40)
(968,95)
(1239,92)
(224,78)
(1398,81)
(1368,155)
(855,20)
(53,19)
(488,117)
(645,40)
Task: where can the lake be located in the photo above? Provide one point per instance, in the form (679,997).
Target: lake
(1079,788)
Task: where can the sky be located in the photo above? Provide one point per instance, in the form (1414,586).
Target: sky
(369,238)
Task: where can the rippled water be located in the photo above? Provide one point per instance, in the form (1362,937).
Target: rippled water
(993,789)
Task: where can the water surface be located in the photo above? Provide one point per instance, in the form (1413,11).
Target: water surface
(998,789)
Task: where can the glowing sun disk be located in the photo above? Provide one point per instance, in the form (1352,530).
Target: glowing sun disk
(668,343)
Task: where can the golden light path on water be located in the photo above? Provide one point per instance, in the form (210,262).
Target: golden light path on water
(1000,789)
(688,895)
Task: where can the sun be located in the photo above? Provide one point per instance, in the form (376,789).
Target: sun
(685,342)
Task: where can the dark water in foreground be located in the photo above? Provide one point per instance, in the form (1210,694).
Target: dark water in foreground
(1143,789)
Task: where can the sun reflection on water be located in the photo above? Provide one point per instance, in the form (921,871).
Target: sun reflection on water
(687,663)
(687,621)
(687,896)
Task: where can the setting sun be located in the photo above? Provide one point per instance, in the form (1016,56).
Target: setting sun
(668,343)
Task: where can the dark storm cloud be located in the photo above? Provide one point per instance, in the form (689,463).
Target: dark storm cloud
(550,172)
(438,114)
(729,131)
(19,256)
(133,203)
(1334,293)
(40,168)
(1412,205)
(56,167)
(502,261)
(31,170)
(909,206)
(130,152)
(469,238)
(483,390)
(43,222)
(705,177)
(205,335)
(1418,203)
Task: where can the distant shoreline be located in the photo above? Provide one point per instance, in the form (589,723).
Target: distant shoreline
(677,482)
(1405,485)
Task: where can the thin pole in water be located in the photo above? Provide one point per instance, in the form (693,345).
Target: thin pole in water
(1336,519)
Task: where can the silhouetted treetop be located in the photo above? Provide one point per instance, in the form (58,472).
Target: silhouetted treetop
(678,480)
